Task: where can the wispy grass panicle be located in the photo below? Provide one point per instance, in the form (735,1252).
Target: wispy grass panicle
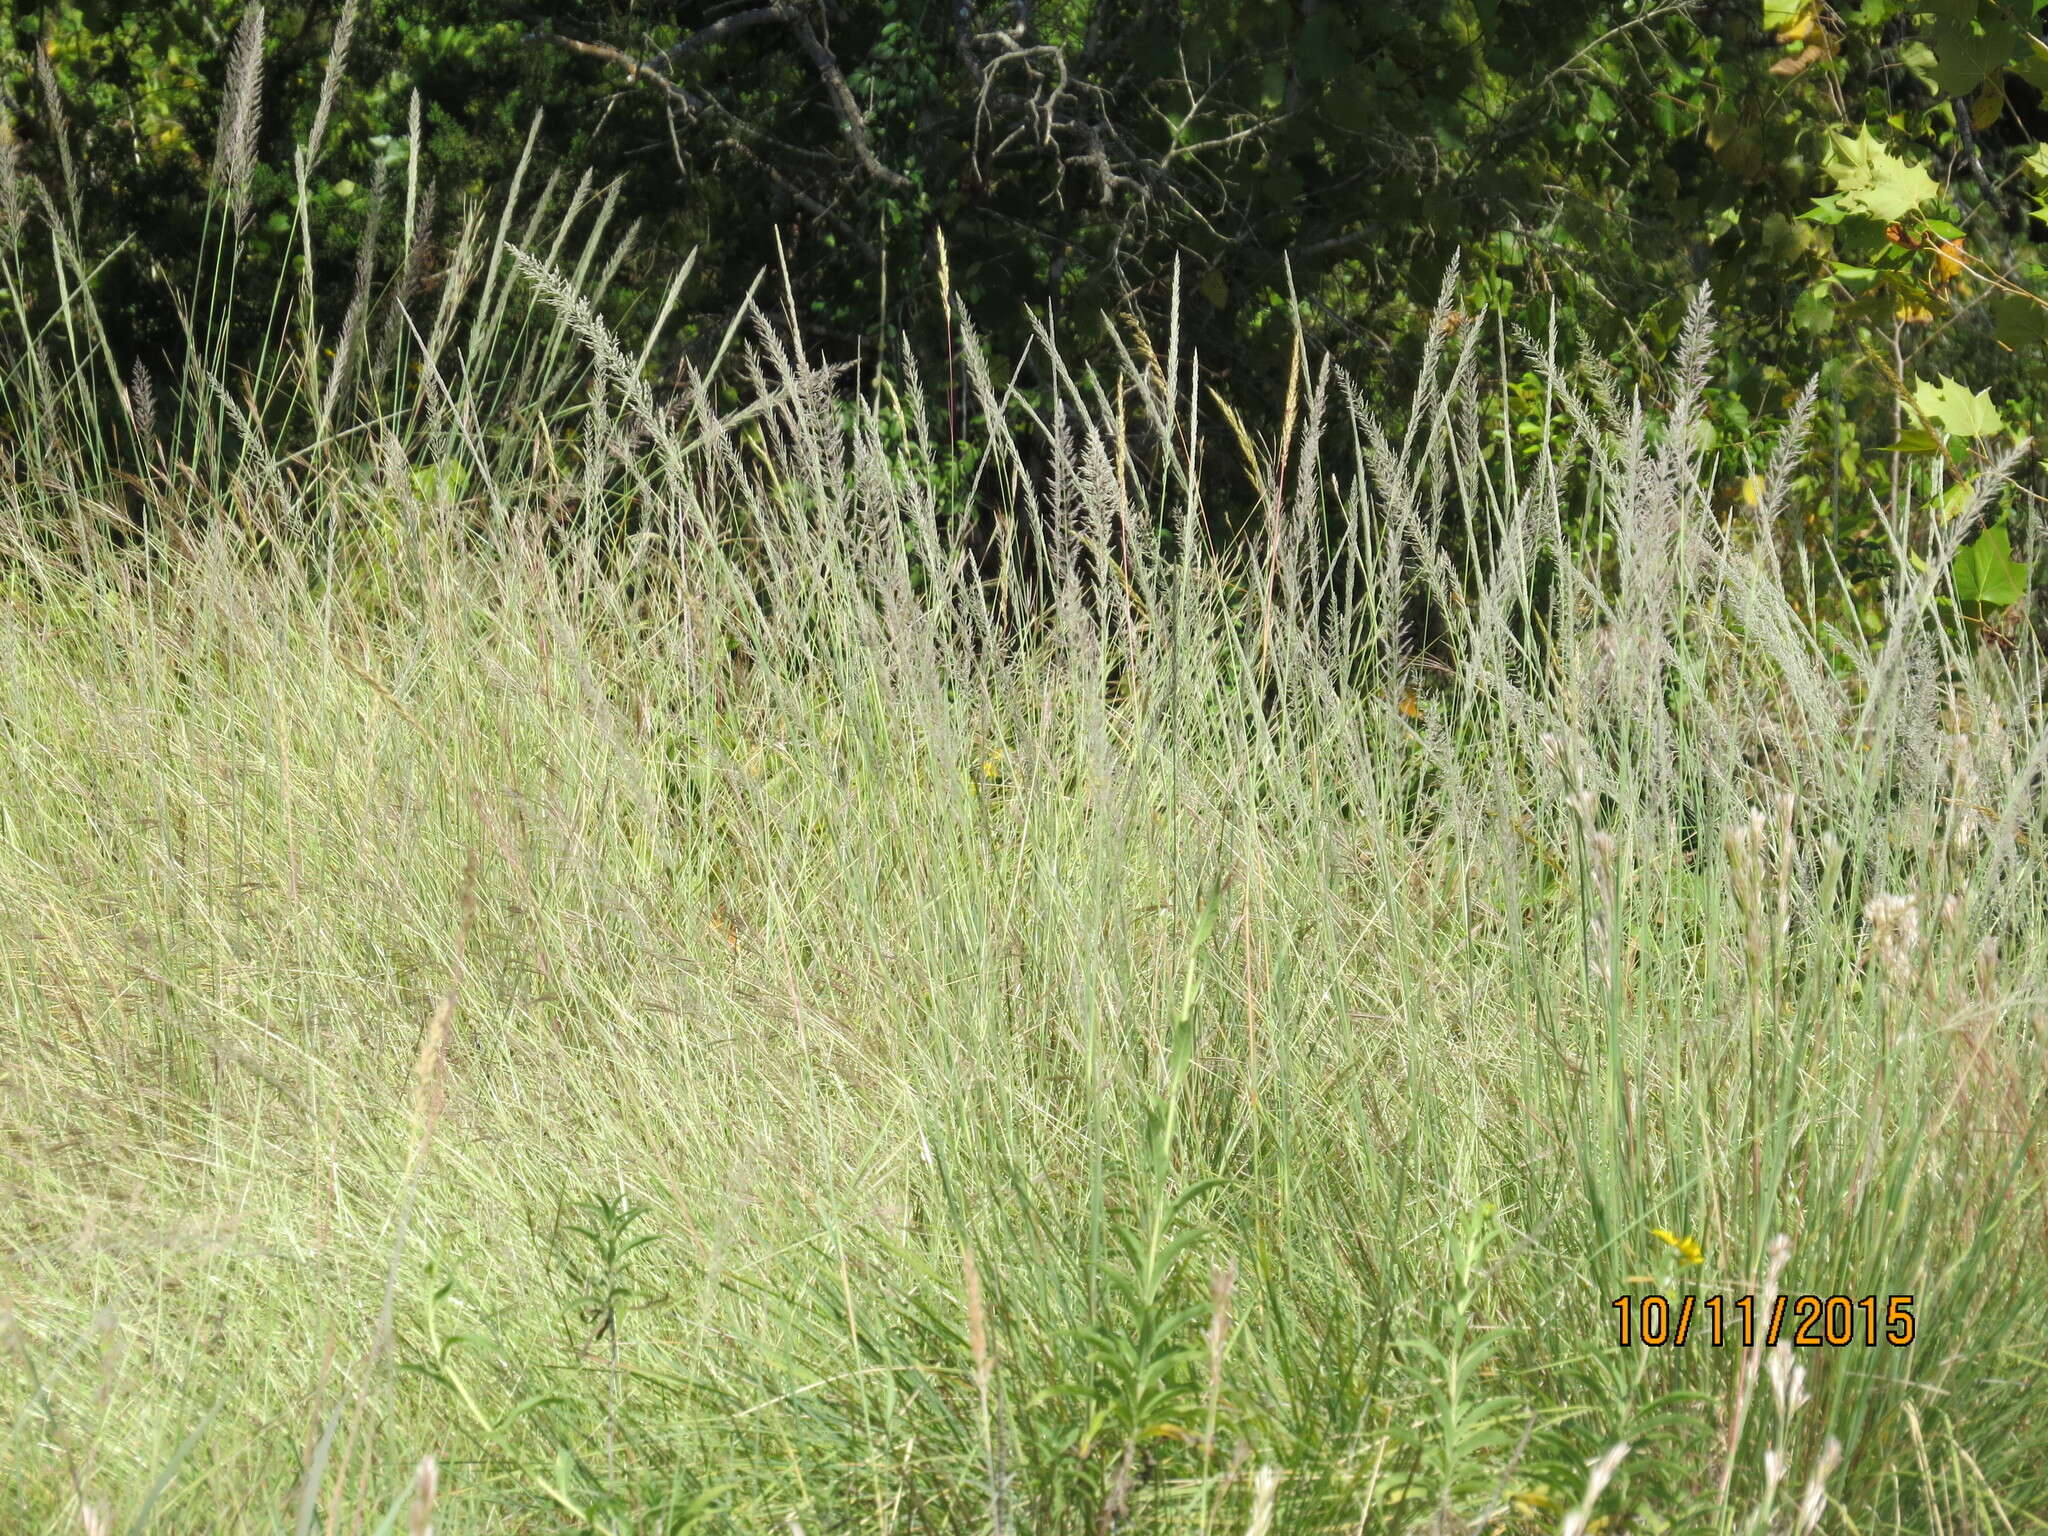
(241,117)
(58,126)
(142,401)
(330,80)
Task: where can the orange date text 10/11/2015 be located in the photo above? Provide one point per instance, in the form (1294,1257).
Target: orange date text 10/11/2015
(1806,1322)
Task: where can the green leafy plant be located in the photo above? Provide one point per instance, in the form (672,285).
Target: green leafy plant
(1985,573)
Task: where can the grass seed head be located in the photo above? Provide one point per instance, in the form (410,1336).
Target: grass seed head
(1814,1501)
(1894,923)
(1599,1473)
(426,1483)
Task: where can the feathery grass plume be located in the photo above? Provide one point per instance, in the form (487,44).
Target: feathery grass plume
(1601,883)
(415,233)
(1814,1501)
(412,162)
(1785,456)
(426,1483)
(1744,845)
(613,365)
(922,958)
(344,352)
(250,430)
(1694,371)
(1964,817)
(1894,924)
(142,401)
(330,82)
(1787,806)
(12,207)
(53,104)
(430,1070)
(240,124)
(1890,684)
(1788,1381)
(1599,1473)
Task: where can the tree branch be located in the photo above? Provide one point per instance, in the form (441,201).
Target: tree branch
(842,97)
(696,107)
(717,32)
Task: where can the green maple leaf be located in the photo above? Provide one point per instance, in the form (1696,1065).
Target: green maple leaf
(1986,573)
(1870,179)
(1955,409)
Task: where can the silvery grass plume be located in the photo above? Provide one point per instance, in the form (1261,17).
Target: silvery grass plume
(337,61)
(53,103)
(240,116)
(12,208)
(142,400)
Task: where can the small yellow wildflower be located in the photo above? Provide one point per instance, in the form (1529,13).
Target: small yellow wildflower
(992,765)
(1687,1248)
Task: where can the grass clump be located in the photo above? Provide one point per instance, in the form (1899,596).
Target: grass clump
(622,983)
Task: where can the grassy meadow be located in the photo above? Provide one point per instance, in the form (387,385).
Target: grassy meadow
(571,965)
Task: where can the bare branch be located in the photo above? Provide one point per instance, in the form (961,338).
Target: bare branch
(842,97)
(655,69)
(717,32)
(636,69)
(697,108)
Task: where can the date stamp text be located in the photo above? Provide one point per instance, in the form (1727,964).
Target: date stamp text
(1806,1322)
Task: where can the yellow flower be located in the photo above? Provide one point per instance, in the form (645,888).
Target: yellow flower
(1687,1248)
(992,765)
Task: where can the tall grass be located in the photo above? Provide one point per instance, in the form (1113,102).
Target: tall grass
(595,973)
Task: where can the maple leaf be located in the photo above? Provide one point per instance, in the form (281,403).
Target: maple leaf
(1956,409)
(1870,179)
(1986,573)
